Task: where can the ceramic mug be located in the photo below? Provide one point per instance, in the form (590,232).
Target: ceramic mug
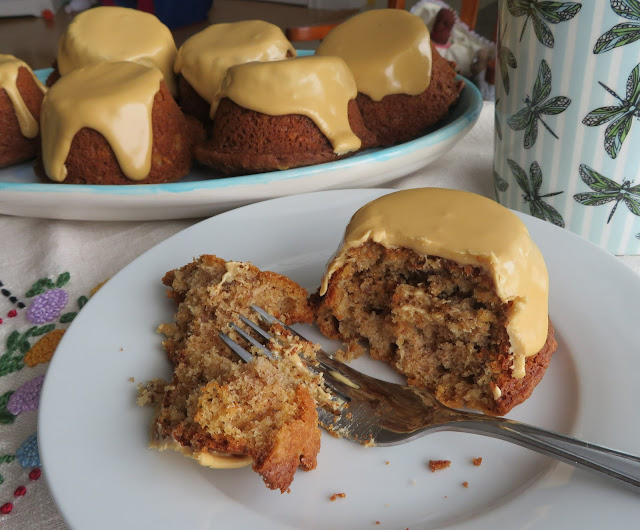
(567,131)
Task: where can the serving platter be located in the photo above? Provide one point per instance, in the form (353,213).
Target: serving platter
(203,193)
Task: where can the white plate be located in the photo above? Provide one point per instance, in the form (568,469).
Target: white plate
(93,438)
(200,195)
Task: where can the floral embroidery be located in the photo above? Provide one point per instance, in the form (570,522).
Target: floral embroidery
(27,397)
(30,341)
(17,344)
(42,351)
(27,454)
(47,306)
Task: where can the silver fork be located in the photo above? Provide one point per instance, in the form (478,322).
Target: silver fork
(378,413)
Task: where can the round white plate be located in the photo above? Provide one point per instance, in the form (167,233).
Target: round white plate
(93,438)
(202,194)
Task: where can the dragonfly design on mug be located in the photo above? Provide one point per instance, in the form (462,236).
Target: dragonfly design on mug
(527,118)
(538,12)
(606,190)
(622,115)
(531,188)
(506,59)
(624,33)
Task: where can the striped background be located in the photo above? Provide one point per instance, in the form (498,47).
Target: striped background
(575,71)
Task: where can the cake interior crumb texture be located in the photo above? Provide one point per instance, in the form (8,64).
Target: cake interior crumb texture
(215,403)
(438,322)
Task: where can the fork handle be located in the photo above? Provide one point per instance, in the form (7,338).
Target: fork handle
(622,467)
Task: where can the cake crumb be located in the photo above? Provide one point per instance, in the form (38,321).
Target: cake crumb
(386,463)
(465,484)
(121,349)
(378,522)
(436,465)
(413,482)
(477,461)
(132,380)
(337,496)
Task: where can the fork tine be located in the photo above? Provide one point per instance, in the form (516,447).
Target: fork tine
(270,319)
(256,328)
(238,350)
(251,340)
(335,373)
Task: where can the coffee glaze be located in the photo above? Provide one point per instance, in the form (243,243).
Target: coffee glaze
(204,59)
(388,51)
(117,34)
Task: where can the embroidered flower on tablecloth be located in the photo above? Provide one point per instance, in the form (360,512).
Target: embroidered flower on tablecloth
(50,299)
(27,454)
(26,397)
(42,351)
(29,340)
(47,306)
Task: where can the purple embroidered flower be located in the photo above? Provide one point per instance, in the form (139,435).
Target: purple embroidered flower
(26,398)
(27,454)
(47,306)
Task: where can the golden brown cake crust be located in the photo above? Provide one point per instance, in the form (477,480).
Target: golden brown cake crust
(244,141)
(91,159)
(516,391)
(399,118)
(14,147)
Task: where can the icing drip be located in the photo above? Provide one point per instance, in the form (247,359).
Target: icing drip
(317,87)
(115,99)
(388,51)
(204,59)
(9,67)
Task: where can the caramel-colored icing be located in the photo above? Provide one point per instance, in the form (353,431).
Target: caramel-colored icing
(388,51)
(317,87)
(117,34)
(9,66)
(115,99)
(204,59)
(211,459)
(471,230)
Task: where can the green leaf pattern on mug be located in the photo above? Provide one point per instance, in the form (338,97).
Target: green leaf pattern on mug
(624,33)
(539,12)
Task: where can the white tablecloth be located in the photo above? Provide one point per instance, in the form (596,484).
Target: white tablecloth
(47,270)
